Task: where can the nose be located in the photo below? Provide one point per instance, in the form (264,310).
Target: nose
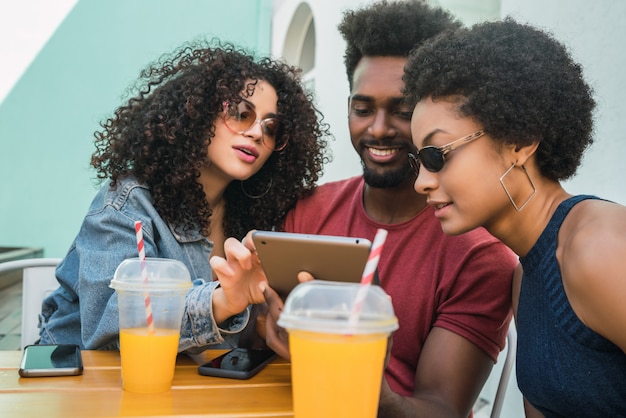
(255,131)
(425,181)
(380,126)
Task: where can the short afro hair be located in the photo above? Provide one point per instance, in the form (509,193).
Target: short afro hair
(515,80)
(390,29)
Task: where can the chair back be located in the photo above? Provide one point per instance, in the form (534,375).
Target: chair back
(500,394)
(507,368)
(38,281)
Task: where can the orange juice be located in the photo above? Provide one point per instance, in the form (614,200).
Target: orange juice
(335,375)
(148,361)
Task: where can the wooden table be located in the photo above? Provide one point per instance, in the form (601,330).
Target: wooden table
(98,392)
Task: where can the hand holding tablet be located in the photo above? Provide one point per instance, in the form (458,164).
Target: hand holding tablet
(283,255)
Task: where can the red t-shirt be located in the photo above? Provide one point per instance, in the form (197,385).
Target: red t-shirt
(459,283)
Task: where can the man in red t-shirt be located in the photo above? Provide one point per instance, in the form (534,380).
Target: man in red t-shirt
(451,294)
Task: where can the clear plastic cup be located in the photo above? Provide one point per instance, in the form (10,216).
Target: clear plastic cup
(337,364)
(149,352)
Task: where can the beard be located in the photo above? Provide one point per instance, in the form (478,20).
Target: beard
(387,179)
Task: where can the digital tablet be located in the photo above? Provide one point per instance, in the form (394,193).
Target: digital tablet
(283,255)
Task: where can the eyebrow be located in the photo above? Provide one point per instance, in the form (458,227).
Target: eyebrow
(428,138)
(364,98)
(253,106)
(361,98)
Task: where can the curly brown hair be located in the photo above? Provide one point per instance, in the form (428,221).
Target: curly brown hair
(518,82)
(160,136)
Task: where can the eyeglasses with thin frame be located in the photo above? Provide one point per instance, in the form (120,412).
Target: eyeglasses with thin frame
(433,158)
(241,117)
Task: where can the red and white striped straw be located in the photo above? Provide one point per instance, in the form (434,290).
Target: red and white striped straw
(368,275)
(144,275)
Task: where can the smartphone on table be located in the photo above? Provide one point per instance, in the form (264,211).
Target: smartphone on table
(51,360)
(238,363)
(283,255)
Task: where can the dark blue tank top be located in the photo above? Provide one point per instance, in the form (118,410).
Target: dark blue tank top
(564,369)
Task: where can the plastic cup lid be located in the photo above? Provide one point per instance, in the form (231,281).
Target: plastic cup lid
(324,306)
(163,274)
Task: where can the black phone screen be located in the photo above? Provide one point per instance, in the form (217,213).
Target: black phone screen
(239,363)
(51,360)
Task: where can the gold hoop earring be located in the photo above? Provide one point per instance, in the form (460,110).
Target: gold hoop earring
(532,184)
(243,190)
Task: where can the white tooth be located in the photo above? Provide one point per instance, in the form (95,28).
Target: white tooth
(382,153)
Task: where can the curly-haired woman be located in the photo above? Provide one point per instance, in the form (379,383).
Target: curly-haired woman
(214,143)
(504,115)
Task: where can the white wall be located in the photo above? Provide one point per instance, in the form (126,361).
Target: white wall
(331,83)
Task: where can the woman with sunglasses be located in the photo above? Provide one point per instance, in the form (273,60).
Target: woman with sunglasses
(214,143)
(503,115)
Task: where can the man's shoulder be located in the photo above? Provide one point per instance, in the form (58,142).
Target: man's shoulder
(480,241)
(475,245)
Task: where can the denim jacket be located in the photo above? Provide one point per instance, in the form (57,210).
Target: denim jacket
(83,310)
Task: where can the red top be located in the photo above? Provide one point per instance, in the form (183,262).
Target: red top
(460,283)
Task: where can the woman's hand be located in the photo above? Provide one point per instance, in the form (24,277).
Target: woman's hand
(240,275)
(276,337)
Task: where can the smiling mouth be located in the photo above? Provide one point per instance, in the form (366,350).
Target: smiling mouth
(383,152)
(441,205)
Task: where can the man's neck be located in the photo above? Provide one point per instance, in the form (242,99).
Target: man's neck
(392,205)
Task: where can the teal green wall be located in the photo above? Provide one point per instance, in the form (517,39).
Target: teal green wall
(79,77)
